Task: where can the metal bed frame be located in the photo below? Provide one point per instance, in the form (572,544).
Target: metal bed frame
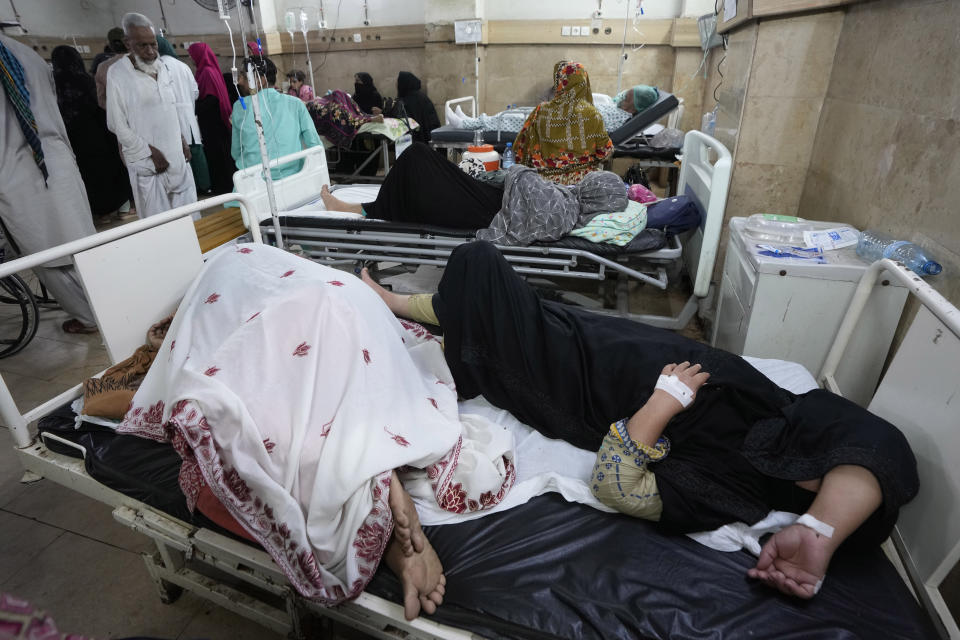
(705,176)
(193,558)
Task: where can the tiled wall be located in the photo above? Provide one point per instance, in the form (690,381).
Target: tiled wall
(774,80)
(510,74)
(887,153)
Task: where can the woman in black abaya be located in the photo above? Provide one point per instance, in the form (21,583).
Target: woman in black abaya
(742,448)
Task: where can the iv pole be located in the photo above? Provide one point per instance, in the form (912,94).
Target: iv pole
(253,82)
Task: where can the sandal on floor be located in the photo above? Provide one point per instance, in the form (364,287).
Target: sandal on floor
(75,326)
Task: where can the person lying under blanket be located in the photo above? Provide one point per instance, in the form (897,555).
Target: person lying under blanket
(301,402)
(699,442)
(615,111)
(424,187)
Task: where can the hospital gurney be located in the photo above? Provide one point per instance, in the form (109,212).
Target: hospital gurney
(449,137)
(384,136)
(346,238)
(548,568)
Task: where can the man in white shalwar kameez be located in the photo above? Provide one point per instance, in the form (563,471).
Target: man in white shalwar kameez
(42,211)
(142,112)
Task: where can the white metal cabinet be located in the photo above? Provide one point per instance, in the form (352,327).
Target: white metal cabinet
(772,308)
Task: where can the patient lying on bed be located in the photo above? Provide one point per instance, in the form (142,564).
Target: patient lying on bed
(690,446)
(615,111)
(294,395)
(426,188)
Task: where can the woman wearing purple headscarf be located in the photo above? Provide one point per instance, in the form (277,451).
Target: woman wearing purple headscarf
(213,114)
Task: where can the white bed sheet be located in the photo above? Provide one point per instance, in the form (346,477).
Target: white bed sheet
(544,464)
(352,193)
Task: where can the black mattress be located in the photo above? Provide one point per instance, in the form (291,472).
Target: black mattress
(552,569)
(666,103)
(646,240)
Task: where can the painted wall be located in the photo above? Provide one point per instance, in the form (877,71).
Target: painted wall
(63,18)
(885,155)
(578,9)
(93,18)
(350,14)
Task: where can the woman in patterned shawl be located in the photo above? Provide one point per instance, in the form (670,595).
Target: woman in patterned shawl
(338,118)
(564,139)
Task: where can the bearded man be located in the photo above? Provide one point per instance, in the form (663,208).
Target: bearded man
(142,112)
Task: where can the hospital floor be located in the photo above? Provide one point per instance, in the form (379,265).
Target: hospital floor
(64,552)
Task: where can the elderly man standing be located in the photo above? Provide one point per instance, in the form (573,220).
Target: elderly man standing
(142,112)
(43,202)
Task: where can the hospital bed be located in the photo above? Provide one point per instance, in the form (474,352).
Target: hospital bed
(648,259)
(547,568)
(384,136)
(450,137)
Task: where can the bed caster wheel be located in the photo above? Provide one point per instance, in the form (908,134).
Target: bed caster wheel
(169,592)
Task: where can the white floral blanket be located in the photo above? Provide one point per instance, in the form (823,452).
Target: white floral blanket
(291,391)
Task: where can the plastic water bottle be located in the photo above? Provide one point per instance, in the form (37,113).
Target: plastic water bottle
(507,161)
(875,245)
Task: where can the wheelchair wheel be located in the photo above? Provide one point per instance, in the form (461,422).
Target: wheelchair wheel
(14,291)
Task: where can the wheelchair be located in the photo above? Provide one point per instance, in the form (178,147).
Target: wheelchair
(18,330)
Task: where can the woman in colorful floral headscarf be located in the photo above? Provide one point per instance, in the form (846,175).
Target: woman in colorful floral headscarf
(565,139)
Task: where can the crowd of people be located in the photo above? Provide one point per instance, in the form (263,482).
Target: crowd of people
(143,132)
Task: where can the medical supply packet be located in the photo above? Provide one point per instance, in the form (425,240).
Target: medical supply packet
(789,253)
(828,239)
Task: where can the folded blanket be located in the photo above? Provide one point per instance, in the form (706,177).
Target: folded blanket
(619,227)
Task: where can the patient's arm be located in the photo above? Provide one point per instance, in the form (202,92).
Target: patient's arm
(648,423)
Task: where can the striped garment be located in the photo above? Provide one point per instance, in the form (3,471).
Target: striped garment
(15,86)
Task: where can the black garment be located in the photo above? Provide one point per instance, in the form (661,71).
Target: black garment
(569,373)
(423,186)
(95,147)
(365,93)
(99,58)
(415,104)
(216,144)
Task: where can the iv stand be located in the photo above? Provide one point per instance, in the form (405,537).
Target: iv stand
(252,82)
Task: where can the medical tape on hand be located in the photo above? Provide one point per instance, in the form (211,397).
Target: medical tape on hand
(822,528)
(672,385)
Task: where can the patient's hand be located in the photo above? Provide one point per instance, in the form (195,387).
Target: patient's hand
(688,374)
(377,111)
(157,332)
(377,118)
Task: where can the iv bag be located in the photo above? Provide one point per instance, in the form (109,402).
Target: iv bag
(304,25)
(290,21)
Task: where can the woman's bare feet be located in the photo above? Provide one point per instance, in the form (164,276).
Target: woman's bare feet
(396,302)
(406,523)
(158,332)
(411,557)
(421,576)
(332,203)
(794,560)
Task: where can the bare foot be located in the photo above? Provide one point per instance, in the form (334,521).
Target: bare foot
(406,523)
(158,332)
(794,560)
(332,203)
(395,302)
(421,576)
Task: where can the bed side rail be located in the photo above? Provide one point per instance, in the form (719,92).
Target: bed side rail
(918,394)
(11,416)
(708,182)
(290,192)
